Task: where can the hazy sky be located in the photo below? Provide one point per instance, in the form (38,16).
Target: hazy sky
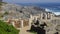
(31,1)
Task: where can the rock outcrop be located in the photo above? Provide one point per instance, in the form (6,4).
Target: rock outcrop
(17,11)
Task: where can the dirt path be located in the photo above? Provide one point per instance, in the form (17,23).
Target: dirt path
(24,30)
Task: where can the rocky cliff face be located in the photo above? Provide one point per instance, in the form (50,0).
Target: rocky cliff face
(18,11)
(45,27)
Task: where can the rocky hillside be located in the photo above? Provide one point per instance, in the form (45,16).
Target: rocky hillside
(18,11)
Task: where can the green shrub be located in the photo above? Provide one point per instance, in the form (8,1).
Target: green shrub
(6,13)
(7,29)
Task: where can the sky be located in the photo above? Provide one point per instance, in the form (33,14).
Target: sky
(32,1)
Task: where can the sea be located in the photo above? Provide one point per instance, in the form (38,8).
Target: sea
(51,7)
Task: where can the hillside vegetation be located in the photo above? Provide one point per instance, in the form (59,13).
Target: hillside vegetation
(7,29)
